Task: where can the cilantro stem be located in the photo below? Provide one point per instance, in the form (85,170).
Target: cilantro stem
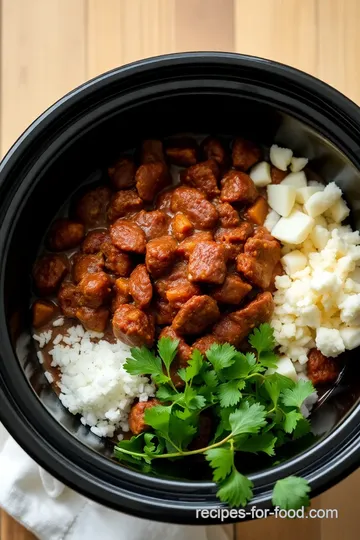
(256,375)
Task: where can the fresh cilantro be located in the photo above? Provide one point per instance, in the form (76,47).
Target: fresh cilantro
(210,379)
(235,490)
(242,366)
(144,362)
(229,393)
(264,442)
(247,419)
(167,350)
(291,493)
(181,432)
(303,427)
(274,384)
(269,359)
(166,393)
(291,420)
(221,460)
(262,338)
(158,417)
(294,397)
(194,365)
(192,399)
(221,356)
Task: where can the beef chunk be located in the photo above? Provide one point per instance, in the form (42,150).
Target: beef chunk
(123,203)
(204,343)
(237,187)
(93,319)
(86,264)
(133,326)
(93,242)
(152,151)
(234,327)
(182,357)
(187,246)
(207,263)
(163,202)
(258,211)
(213,148)
(321,369)
(235,235)
(91,208)
(140,286)
(49,272)
(42,312)
(95,289)
(180,292)
(160,255)
(163,312)
(245,154)
(203,176)
(193,203)
(137,415)
(154,224)
(181,227)
(277,176)
(127,236)
(116,261)
(122,293)
(122,173)
(228,216)
(196,315)
(65,234)
(151,178)
(69,298)
(232,291)
(182,151)
(258,261)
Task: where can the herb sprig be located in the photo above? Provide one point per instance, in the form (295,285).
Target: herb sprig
(257,410)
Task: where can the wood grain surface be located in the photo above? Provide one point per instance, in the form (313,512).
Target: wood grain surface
(48,47)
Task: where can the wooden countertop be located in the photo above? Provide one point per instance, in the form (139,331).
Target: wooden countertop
(50,46)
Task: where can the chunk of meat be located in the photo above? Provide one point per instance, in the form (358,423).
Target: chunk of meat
(164,313)
(92,207)
(180,292)
(258,261)
(95,289)
(213,148)
(182,151)
(235,235)
(234,327)
(228,216)
(232,291)
(152,151)
(69,298)
(193,203)
(245,154)
(203,176)
(140,286)
(86,264)
(93,319)
(187,246)
(237,187)
(122,173)
(321,369)
(196,315)
(49,272)
(42,313)
(133,326)
(232,251)
(93,242)
(278,271)
(122,293)
(178,274)
(127,236)
(154,224)
(116,261)
(181,227)
(277,176)
(65,234)
(207,263)
(151,178)
(258,211)
(123,203)
(204,343)
(163,202)
(137,415)
(182,356)
(160,255)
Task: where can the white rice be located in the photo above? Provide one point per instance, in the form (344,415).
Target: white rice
(93,382)
(59,322)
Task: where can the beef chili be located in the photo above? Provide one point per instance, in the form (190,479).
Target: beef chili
(142,257)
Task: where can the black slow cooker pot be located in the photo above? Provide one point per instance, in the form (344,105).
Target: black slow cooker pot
(71,143)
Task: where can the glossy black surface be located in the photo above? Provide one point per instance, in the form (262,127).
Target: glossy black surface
(72,143)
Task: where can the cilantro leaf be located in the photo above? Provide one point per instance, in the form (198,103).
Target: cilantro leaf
(166,393)
(221,356)
(229,393)
(153,446)
(291,420)
(262,338)
(135,445)
(144,362)
(221,460)
(236,489)
(167,348)
(158,417)
(264,442)
(192,399)
(210,379)
(181,432)
(247,419)
(242,366)
(291,493)
(303,427)
(274,384)
(194,365)
(294,397)
(269,359)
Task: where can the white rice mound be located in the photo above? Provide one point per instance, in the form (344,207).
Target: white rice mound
(93,381)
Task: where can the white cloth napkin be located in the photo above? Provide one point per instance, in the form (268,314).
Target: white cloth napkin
(53,511)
